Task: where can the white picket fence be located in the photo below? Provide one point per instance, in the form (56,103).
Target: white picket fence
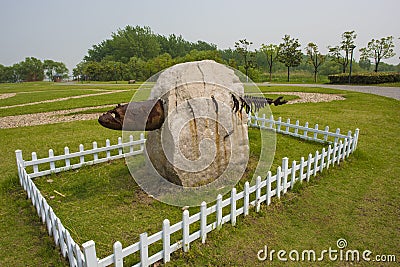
(209,218)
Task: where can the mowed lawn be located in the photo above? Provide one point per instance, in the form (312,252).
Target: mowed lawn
(357,200)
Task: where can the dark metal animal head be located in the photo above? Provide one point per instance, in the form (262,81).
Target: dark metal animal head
(138,116)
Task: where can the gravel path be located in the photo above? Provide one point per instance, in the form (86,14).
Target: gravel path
(62,99)
(49,117)
(392,92)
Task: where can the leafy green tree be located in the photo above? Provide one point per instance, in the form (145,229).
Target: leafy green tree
(271,52)
(243,48)
(31,69)
(315,58)
(346,46)
(289,53)
(52,67)
(378,50)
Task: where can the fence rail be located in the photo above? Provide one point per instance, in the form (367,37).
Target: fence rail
(340,147)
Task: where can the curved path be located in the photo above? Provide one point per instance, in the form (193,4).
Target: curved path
(392,92)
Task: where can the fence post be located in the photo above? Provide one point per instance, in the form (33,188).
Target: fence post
(305,130)
(316,163)
(263,122)
(296,128)
(336,135)
(246,198)
(278,182)
(89,250)
(301,169)
(81,158)
(144,250)
(322,159)
(95,155)
(315,132)
(20,163)
(249,118)
(278,123)
(255,124)
(293,174)
(219,210)
(51,155)
(70,249)
(268,198)
(67,160)
(120,152)
(287,126)
(142,144)
(309,167)
(130,145)
(328,161)
(271,122)
(185,230)
(356,139)
(258,193)
(326,133)
(118,259)
(233,206)
(339,151)
(166,236)
(285,167)
(35,167)
(203,221)
(344,152)
(108,154)
(61,238)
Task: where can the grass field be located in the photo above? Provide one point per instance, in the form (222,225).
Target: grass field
(358,200)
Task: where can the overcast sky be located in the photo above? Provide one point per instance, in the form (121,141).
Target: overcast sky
(65,30)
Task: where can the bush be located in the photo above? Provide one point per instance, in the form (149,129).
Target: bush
(366,78)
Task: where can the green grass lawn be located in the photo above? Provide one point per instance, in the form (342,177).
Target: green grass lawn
(357,200)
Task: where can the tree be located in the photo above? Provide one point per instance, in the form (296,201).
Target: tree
(52,68)
(242,47)
(378,50)
(346,46)
(289,53)
(315,58)
(272,52)
(31,69)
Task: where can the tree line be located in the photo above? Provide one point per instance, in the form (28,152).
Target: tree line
(32,69)
(137,53)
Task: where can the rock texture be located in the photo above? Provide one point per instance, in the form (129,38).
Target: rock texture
(202,139)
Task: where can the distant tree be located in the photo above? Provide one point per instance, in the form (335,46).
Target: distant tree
(365,63)
(289,53)
(315,58)
(378,50)
(243,48)
(271,52)
(346,45)
(31,69)
(52,68)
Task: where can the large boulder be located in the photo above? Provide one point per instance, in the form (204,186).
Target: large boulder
(202,138)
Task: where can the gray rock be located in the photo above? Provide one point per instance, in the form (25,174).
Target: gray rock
(202,139)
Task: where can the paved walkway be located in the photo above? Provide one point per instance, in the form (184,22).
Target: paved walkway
(392,92)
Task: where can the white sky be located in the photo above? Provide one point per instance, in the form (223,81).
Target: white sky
(65,30)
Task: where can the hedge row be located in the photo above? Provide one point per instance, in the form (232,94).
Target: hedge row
(366,78)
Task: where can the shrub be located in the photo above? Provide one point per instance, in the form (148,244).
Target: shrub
(366,78)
